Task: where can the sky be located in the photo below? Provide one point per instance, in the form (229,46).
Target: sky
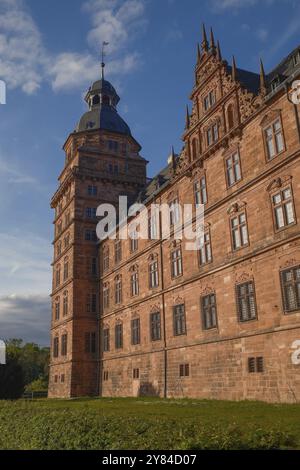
(49,56)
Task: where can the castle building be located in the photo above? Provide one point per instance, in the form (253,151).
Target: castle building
(150,317)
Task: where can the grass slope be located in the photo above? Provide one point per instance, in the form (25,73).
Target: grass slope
(147,423)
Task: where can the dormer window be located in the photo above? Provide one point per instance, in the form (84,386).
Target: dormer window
(275,83)
(209,100)
(296,58)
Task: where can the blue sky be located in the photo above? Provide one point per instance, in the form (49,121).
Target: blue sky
(49,55)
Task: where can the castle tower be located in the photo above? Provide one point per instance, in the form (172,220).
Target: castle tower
(102,161)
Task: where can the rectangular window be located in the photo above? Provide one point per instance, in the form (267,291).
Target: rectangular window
(205,253)
(200,191)
(106,340)
(239,231)
(57,309)
(209,311)
(274,139)
(119,336)
(90,343)
(179,320)
(105,297)
(283,208)
(290,282)
(90,235)
(155,326)
(176,263)
(153,275)
(134,284)
(174,211)
(55,347)
(105,259)
(92,190)
(209,100)
(134,242)
(255,364)
(118,291)
(246,303)
(113,145)
(64,345)
(118,251)
(90,212)
(135,331)
(62,378)
(184,370)
(233,169)
(136,374)
(105,376)
(152,226)
(212,134)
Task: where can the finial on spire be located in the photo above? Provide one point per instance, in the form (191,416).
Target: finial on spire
(212,40)
(198,53)
(263,85)
(204,39)
(173,158)
(219,54)
(187,119)
(234,69)
(102,58)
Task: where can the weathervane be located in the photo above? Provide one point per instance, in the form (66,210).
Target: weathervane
(102,58)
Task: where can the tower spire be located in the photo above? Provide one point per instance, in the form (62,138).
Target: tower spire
(102,59)
(212,40)
(187,119)
(198,54)
(173,158)
(219,53)
(204,39)
(234,70)
(263,85)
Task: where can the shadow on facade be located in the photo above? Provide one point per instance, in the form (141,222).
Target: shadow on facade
(147,389)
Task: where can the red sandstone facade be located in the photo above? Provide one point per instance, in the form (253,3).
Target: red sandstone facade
(154,318)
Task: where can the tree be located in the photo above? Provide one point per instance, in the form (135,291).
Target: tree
(11,379)
(26,364)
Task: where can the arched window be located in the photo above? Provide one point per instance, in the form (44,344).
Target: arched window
(65,304)
(230,116)
(105,100)
(134,281)
(66,268)
(194,148)
(57,275)
(96,99)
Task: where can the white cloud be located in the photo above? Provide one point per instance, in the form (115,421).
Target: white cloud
(21,50)
(25,263)
(25,63)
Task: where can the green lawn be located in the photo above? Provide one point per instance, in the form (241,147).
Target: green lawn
(147,423)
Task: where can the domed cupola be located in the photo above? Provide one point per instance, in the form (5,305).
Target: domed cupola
(102,100)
